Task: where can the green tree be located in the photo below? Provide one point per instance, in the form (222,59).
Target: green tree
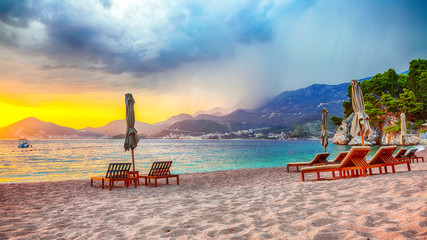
(423,92)
(392,84)
(348,108)
(391,104)
(386,82)
(336,120)
(403,82)
(409,105)
(416,68)
(373,113)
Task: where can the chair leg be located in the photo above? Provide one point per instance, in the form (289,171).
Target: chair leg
(385,169)
(167,180)
(287,168)
(91,182)
(364,172)
(302,176)
(177,180)
(333,174)
(155,182)
(370,171)
(393,169)
(110,183)
(102,185)
(409,166)
(318,175)
(340,172)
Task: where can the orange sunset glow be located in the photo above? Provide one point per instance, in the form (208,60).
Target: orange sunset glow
(89,109)
(80,99)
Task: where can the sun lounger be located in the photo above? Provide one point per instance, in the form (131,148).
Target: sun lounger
(400,153)
(410,155)
(319,159)
(160,170)
(116,172)
(339,157)
(384,158)
(354,163)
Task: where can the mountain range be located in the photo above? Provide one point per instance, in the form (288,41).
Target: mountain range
(286,110)
(34,128)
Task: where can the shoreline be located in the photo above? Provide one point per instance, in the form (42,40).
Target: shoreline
(418,153)
(243,204)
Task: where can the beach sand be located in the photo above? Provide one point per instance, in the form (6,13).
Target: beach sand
(239,204)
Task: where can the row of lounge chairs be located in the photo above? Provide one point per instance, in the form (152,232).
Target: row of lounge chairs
(121,172)
(321,158)
(353,163)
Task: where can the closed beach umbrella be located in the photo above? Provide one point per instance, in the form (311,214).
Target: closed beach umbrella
(403,129)
(131,138)
(324,136)
(360,124)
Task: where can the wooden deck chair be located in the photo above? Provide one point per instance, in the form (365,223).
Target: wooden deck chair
(384,158)
(319,159)
(354,164)
(116,172)
(410,155)
(400,153)
(339,157)
(160,170)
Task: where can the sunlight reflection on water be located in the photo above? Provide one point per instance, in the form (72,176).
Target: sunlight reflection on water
(53,160)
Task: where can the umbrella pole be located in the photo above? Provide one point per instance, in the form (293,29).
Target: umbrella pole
(362,135)
(133,162)
(325,149)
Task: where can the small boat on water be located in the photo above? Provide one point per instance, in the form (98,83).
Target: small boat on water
(23,143)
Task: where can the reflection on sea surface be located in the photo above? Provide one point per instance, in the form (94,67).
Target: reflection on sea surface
(53,160)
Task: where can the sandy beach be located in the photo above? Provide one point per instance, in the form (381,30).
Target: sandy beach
(264,203)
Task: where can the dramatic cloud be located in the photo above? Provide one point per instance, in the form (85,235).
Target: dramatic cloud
(137,36)
(242,48)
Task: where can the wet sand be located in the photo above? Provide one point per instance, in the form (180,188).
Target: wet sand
(267,203)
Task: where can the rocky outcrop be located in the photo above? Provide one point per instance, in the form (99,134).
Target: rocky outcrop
(357,141)
(342,135)
(393,138)
(372,139)
(376,137)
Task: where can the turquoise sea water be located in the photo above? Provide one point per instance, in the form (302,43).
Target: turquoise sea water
(53,160)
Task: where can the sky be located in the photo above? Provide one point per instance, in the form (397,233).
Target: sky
(71,62)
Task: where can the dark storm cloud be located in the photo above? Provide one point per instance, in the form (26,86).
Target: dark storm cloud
(85,32)
(15,13)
